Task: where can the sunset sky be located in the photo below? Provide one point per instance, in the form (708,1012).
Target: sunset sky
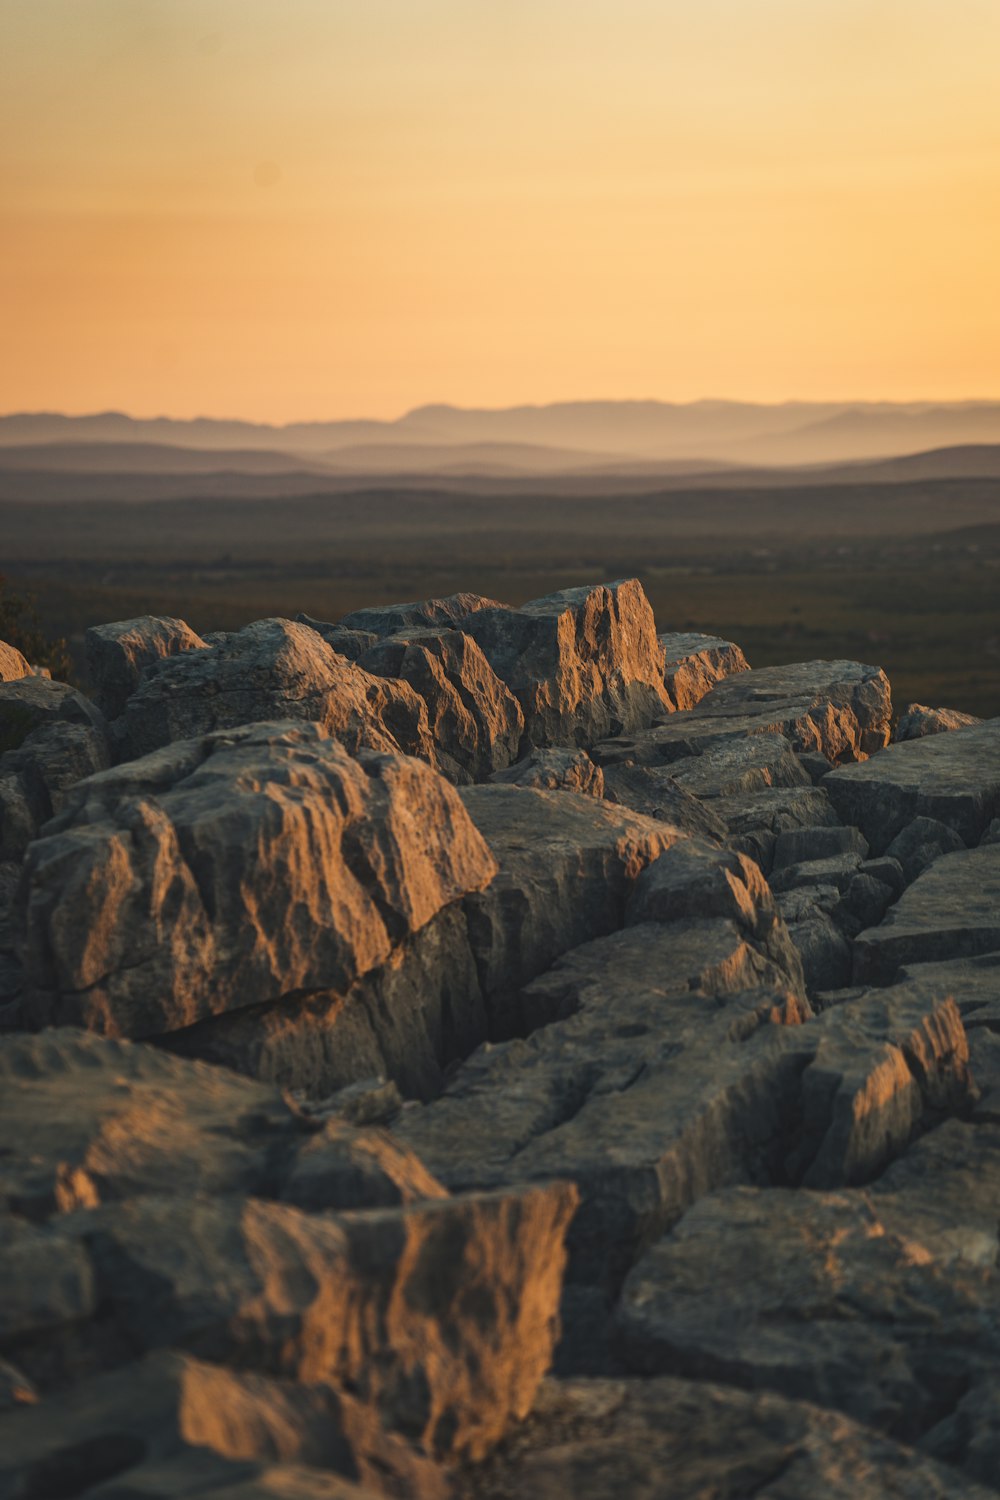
(285,209)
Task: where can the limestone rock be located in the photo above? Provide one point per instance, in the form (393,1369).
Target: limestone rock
(36,778)
(695,1440)
(567,865)
(116,655)
(31,703)
(695,663)
(952,910)
(823,950)
(557,770)
(954,778)
(390,619)
(347,642)
(273,669)
(920,843)
(475,721)
(235,869)
(584,663)
(654,792)
(12,664)
(918,720)
(796,845)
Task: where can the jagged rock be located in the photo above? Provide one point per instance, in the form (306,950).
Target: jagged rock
(839,709)
(754,821)
(584,663)
(815,765)
(694,1440)
(109,1119)
(694,880)
(439,1316)
(653,791)
(347,642)
(740,767)
(233,870)
(695,663)
(32,703)
(171,1427)
(12,664)
(797,845)
(954,778)
(36,778)
(822,948)
(475,721)
(567,865)
(952,910)
(390,619)
(974,984)
(810,1295)
(920,843)
(887,871)
(558,770)
(918,721)
(116,655)
(838,871)
(273,669)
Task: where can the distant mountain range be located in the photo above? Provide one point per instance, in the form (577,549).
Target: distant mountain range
(564,438)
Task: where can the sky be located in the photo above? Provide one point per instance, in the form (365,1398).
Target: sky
(304,209)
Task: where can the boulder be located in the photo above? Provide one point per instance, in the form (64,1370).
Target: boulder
(953,778)
(950,911)
(584,663)
(797,845)
(567,866)
(475,721)
(31,703)
(918,720)
(117,654)
(273,669)
(698,1440)
(823,950)
(838,709)
(558,770)
(12,664)
(755,819)
(232,870)
(36,779)
(695,663)
(920,843)
(347,642)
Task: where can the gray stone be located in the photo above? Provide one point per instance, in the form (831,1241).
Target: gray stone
(695,1440)
(584,663)
(920,843)
(954,778)
(390,619)
(952,910)
(117,654)
(346,642)
(233,870)
(273,669)
(822,948)
(795,846)
(695,663)
(31,703)
(475,721)
(918,720)
(652,791)
(738,767)
(559,770)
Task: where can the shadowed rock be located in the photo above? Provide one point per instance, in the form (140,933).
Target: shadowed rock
(952,910)
(117,654)
(232,870)
(584,663)
(654,792)
(390,619)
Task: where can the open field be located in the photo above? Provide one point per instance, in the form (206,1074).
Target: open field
(905,575)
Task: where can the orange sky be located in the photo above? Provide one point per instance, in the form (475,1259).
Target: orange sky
(288,209)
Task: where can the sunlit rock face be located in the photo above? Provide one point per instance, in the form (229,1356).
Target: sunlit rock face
(12,664)
(227,871)
(662,1053)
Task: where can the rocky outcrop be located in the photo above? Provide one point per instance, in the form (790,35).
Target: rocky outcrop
(953,778)
(274,669)
(475,722)
(695,663)
(584,663)
(950,911)
(918,720)
(12,664)
(117,654)
(231,870)
(391,619)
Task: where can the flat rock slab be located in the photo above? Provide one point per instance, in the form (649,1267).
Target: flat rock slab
(974,983)
(810,1295)
(229,871)
(558,770)
(692,1440)
(950,911)
(740,767)
(953,778)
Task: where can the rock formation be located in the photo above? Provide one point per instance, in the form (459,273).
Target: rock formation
(462,1051)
